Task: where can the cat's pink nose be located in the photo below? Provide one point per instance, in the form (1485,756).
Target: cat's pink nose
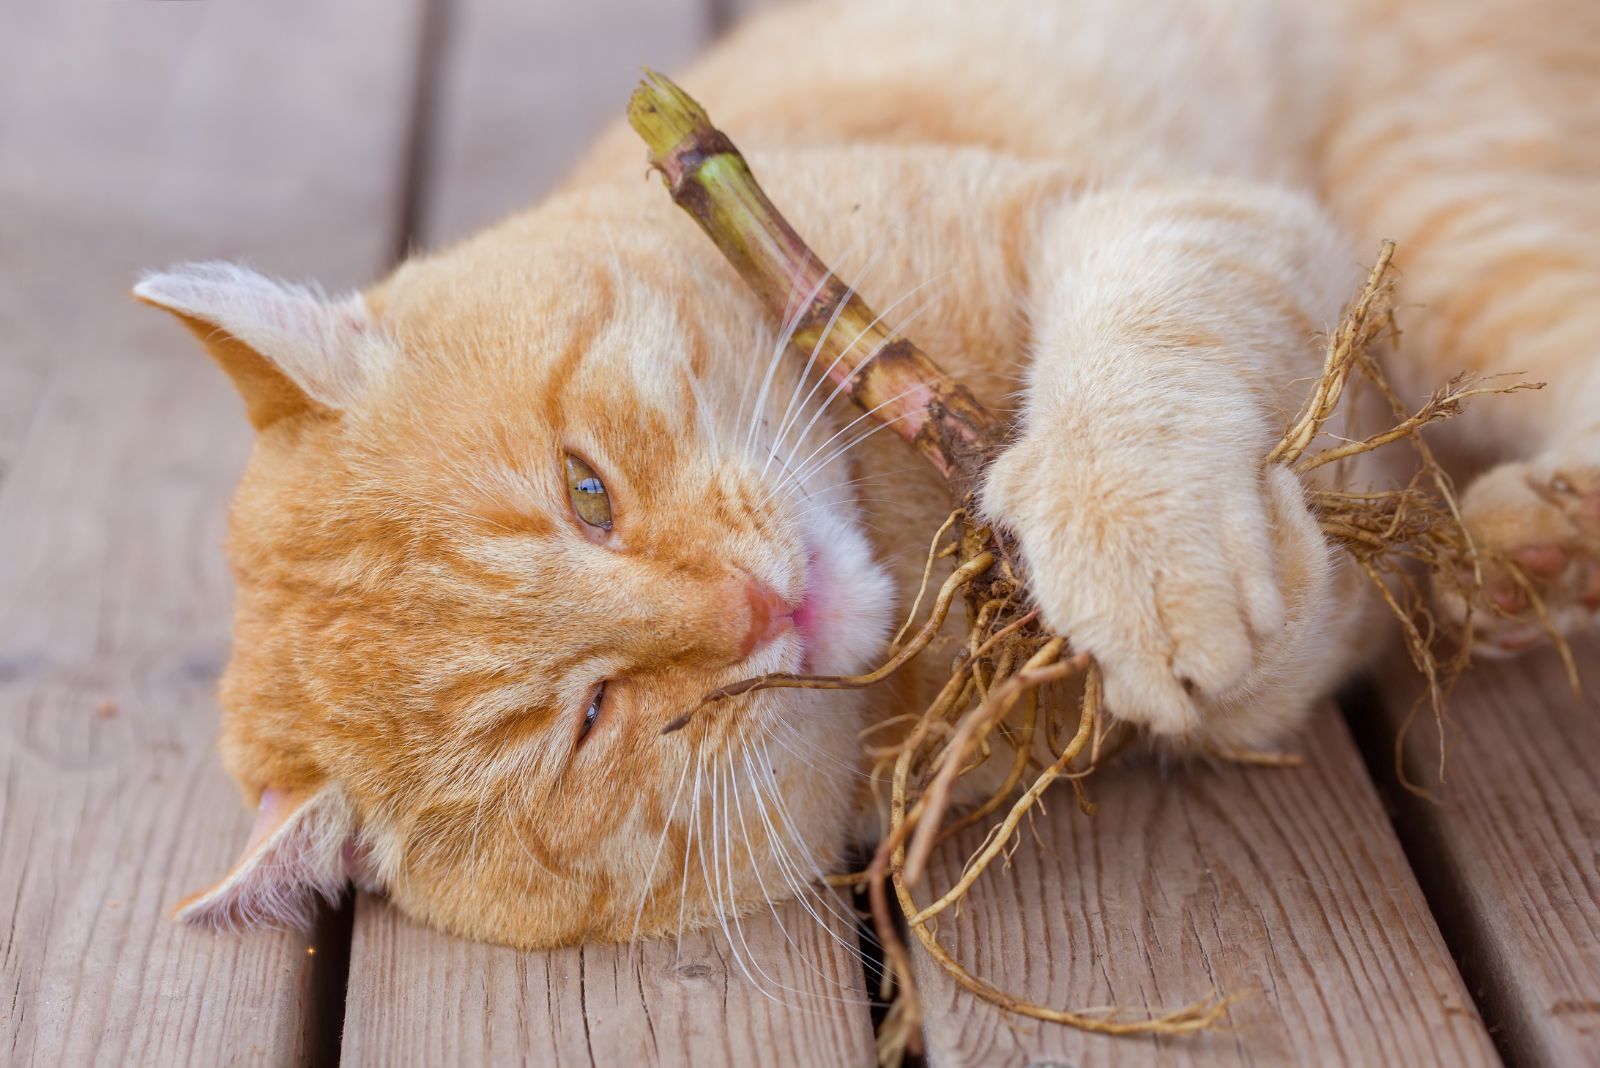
(770,616)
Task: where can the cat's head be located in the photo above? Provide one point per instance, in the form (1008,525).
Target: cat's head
(509,515)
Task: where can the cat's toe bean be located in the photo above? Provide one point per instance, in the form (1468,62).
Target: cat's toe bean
(1537,528)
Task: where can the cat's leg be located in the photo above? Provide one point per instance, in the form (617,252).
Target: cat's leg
(1175,333)
(1468,135)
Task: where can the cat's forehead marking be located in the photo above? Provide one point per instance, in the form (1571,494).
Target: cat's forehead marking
(653,336)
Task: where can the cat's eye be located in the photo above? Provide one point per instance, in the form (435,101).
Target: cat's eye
(592,713)
(590,501)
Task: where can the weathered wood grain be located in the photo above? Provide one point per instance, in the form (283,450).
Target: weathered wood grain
(1510,852)
(418,997)
(1286,885)
(522,87)
(133,135)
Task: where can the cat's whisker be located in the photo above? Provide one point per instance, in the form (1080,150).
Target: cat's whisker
(775,448)
(661,842)
(783,813)
(733,911)
(830,504)
(804,889)
(694,824)
(782,491)
(511,822)
(708,865)
(823,406)
(791,412)
(713,886)
(787,422)
(772,491)
(830,496)
(795,480)
(750,849)
(744,397)
(849,768)
(898,474)
(703,411)
(791,310)
(806,469)
(799,954)
(819,465)
(838,310)
(791,323)
(868,414)
(793,874)
(778,352)
(713,881)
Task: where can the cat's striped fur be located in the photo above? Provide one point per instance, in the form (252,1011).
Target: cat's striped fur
(1129,221)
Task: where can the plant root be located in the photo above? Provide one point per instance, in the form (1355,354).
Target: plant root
(1006,686)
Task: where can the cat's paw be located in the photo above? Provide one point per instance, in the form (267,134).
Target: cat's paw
(1182,578)
(1539,521)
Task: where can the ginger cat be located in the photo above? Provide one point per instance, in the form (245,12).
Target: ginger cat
(519,505)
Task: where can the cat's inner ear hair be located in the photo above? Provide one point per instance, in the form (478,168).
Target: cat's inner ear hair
(287,347)
(298,853)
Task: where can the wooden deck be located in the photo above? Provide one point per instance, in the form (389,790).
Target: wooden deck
(322,138)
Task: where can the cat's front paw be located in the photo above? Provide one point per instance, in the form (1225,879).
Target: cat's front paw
(1185,579)
(1537,527)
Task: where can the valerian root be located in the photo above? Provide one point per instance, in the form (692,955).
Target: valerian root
(1010,662)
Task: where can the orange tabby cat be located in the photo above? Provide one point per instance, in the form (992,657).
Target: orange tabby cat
(517,507)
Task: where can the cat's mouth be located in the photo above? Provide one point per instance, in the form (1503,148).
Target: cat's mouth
(808,613)
(842,618)
(811,615)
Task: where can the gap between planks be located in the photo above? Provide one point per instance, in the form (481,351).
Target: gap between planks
(1508,849)
(138,135)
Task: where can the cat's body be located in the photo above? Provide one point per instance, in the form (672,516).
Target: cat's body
(1141,215)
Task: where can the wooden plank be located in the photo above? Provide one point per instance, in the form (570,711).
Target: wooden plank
(1284,885)
(1510,853)
(522,89)
(421,998)
(523,86)
(133,135)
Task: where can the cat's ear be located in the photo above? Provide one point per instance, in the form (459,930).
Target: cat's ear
(299,850)
(288,348)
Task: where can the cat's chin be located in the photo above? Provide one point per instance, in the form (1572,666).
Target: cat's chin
(844,617)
